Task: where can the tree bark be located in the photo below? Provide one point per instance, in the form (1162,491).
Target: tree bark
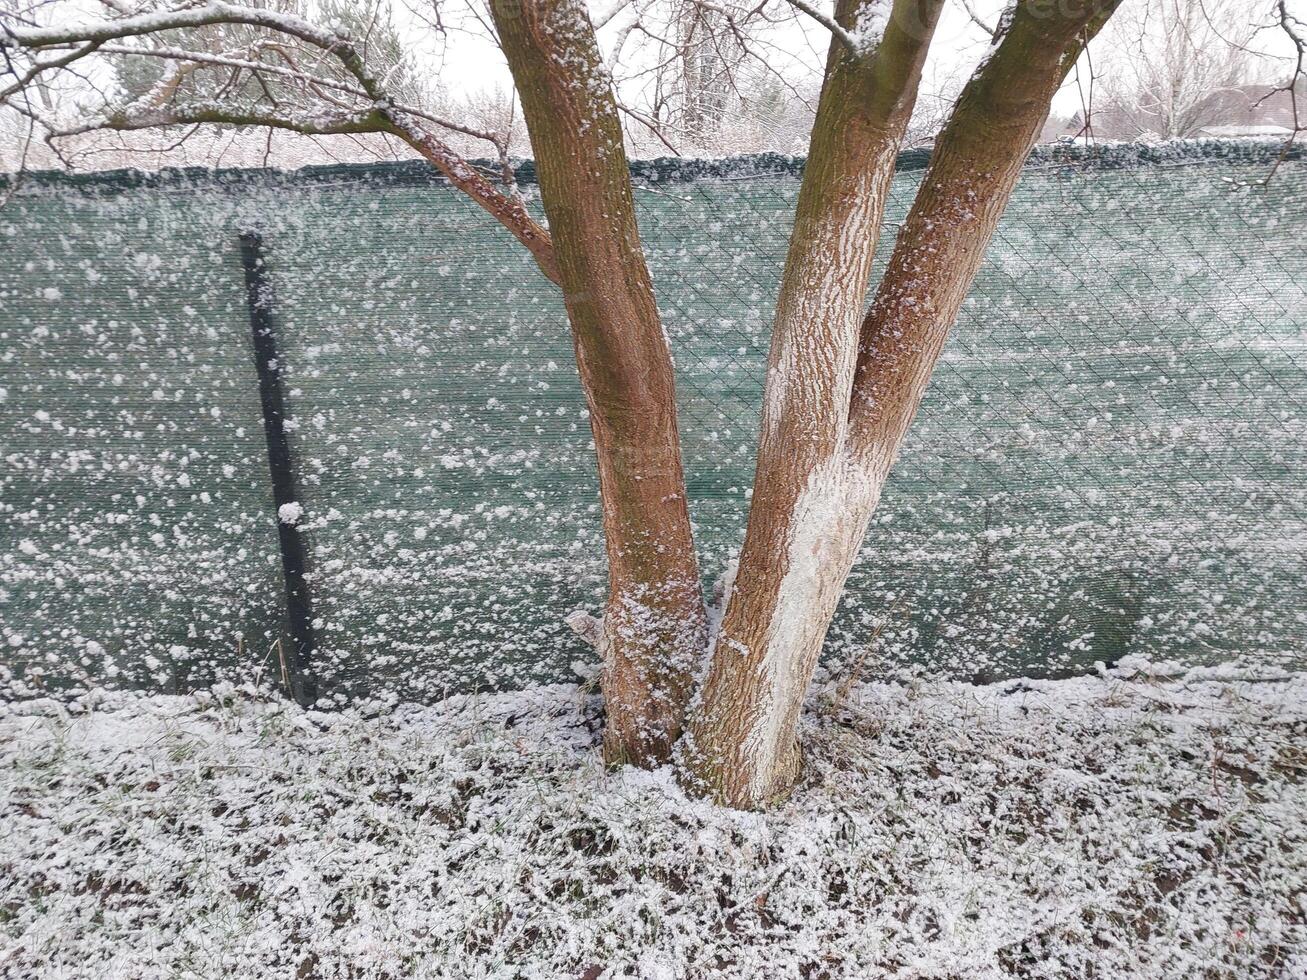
(654,626)
(810,514)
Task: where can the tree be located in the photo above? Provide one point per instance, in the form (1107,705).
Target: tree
(841,387)
(707,57)
(1176,66)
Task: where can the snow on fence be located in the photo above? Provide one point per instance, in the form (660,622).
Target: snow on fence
(1109,461)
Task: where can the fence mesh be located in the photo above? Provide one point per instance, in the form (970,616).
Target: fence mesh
(1109,460)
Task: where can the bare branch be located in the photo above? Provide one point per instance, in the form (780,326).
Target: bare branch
(848,40)
(508,210)
(15,180)
(649,123)
(206,15)
(39,67)
(975,18)
(1296,30)
(156,117)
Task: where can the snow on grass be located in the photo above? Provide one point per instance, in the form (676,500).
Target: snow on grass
(1145,823)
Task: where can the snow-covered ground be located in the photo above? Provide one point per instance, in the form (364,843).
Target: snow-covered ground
(1144,823)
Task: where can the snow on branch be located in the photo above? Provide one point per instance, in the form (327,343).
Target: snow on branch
(975,18)
(37,68)
(855,45)
(206,15)
(587,627)
(154,117)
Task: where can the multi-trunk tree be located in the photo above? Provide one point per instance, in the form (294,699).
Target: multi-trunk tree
(718,692)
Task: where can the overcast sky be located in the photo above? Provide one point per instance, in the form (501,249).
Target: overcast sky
(471,62)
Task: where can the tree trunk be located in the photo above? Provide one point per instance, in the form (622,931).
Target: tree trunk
(974,168)
(654,626)
(802,531)
(822,466)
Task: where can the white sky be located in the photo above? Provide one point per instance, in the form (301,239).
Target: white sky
(471,62)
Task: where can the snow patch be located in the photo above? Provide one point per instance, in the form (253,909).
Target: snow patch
(1110,825)
(290,513)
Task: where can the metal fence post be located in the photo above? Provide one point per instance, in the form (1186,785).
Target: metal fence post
(297,662)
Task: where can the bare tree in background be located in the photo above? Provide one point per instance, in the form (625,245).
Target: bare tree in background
(842,385)
(1172,67)
(710,56)
(694,75)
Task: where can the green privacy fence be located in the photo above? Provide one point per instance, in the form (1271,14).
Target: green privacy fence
(1110,459)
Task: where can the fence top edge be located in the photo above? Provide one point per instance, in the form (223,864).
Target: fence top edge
(646,172)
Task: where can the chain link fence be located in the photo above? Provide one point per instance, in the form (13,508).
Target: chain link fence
(1110,459)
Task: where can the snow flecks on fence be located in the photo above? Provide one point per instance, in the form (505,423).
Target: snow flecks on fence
(1108,461)
(1144,823)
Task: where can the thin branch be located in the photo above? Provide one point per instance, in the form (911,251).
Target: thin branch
(650,124)
(15,179)
(845,38)
(39,67)
(1086,97)
(209,14)
(1296,30)
(975,19)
